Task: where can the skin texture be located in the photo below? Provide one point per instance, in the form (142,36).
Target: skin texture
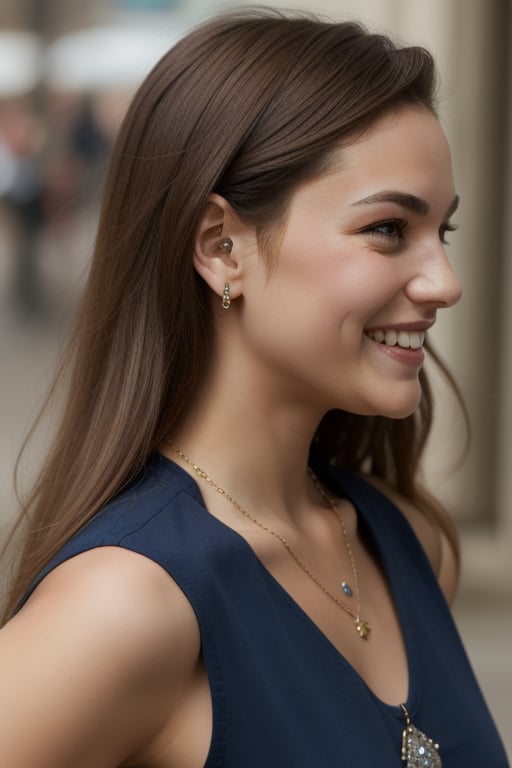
(102,667)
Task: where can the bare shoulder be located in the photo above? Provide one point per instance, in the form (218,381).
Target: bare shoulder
(126,600)
(430,535)
(98,654)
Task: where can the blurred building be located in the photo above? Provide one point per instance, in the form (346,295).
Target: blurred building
(55,17)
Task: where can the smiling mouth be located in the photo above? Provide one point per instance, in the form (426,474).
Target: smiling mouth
(403,339)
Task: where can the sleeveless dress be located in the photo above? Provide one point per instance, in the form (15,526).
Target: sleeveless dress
(282,695)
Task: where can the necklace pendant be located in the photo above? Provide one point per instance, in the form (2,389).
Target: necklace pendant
(347,589)
(363,628)
(418,751)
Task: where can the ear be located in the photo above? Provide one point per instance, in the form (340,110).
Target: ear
(216,263)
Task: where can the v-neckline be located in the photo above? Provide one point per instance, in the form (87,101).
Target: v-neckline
(192,488)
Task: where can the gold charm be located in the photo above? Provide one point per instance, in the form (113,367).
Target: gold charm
(363,628)
(418,751)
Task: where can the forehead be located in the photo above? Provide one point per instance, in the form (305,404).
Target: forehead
(407,145)
(405,150)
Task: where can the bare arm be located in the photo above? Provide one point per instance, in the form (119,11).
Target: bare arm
(92,666)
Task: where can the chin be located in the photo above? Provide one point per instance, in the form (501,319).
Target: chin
(401,409)
(399,405)
(399,413)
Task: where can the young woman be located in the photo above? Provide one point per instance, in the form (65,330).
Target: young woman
(227,558)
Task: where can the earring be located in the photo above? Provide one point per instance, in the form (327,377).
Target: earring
(226,298)
(226,244)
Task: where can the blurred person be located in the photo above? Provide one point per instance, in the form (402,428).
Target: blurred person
(228,558)
(22,191)
(77,157)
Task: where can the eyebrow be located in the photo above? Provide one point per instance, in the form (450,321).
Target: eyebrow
(405,200)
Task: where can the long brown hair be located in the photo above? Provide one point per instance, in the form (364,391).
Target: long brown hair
(247,105)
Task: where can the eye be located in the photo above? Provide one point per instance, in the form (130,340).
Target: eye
(447,226)
(389,233)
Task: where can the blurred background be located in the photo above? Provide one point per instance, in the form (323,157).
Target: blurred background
(67,72)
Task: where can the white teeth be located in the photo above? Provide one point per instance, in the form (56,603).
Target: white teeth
(416,340)
(403,339)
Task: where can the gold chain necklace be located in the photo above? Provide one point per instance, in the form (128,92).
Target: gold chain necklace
(362,627)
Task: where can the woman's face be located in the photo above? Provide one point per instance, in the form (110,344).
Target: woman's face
(359,275)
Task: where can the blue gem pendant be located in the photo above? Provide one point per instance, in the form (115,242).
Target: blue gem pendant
(418,751)
(347,589)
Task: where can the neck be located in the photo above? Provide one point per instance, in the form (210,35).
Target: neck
(254,446)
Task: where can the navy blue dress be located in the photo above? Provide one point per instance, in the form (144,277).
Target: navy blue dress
(283,696)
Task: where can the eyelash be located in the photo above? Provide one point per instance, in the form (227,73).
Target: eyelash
(448,226)
(400,226)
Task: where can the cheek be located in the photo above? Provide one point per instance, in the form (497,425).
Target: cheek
(306,320)
(329,287)
(370,284)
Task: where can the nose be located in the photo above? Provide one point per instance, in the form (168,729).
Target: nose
(434,281)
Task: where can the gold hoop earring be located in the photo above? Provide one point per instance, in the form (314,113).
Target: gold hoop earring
(226,298)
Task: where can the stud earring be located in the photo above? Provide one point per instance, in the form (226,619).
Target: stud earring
(226,244)
(226,298)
